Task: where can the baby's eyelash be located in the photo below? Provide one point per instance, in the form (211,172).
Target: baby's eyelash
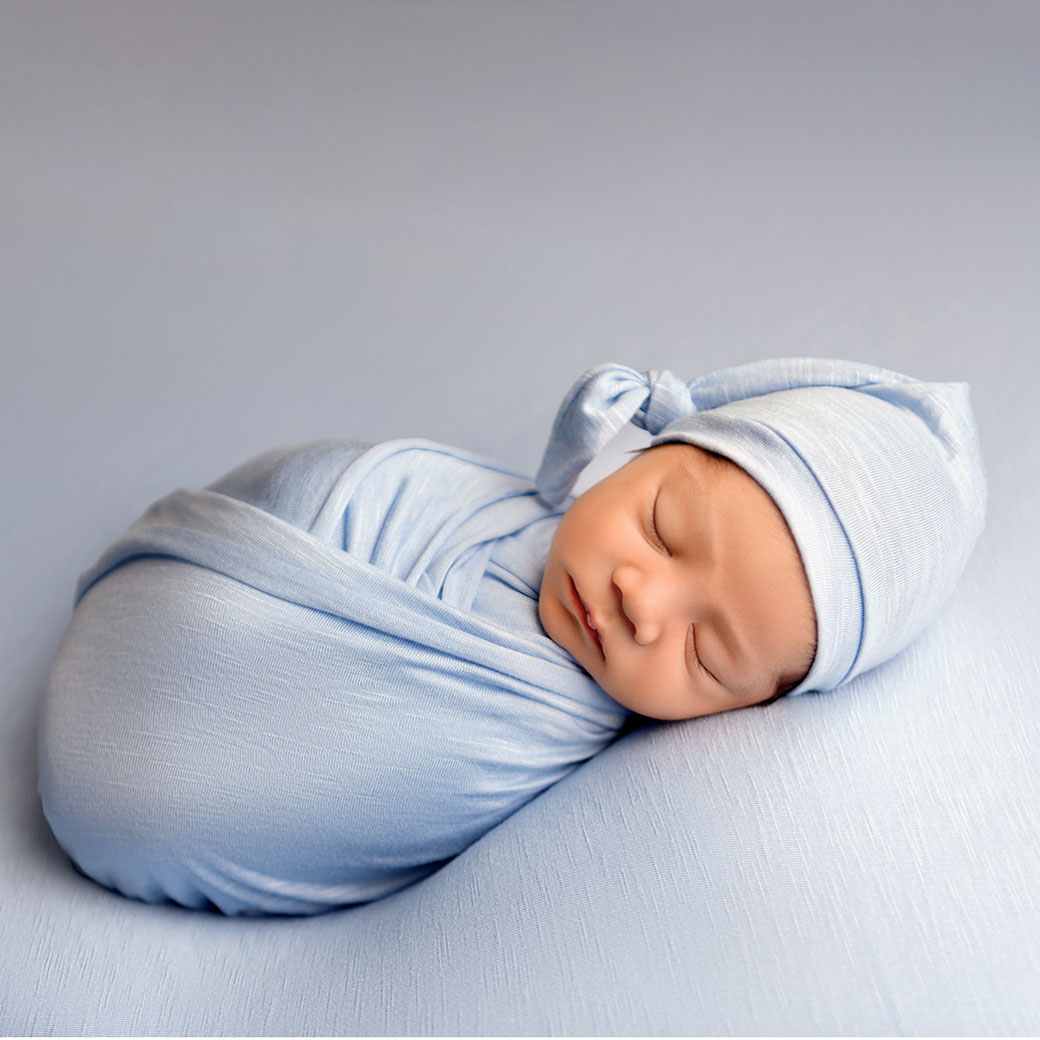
(692,644)
(652,524)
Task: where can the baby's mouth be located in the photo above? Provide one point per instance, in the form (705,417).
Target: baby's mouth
(584,617)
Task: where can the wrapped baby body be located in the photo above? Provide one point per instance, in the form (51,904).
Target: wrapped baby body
(312,682)
(321,677)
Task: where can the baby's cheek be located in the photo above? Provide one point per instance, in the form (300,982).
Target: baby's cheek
(631,687)
(545,615)
(658,685)
(554,618)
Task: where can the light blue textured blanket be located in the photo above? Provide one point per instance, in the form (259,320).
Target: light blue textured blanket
(312,682)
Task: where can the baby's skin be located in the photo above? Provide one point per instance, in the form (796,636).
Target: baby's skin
(676,584)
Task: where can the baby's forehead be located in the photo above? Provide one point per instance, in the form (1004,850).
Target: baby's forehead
(683,471)
(699,469)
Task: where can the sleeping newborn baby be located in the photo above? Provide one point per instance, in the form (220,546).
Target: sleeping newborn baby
(323,676)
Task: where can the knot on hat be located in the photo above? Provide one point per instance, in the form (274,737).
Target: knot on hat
(668,399)
(596,407)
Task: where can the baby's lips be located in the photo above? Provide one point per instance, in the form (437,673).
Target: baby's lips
(585,619)
(595,631)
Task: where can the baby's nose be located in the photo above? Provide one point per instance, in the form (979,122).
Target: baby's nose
(640,606)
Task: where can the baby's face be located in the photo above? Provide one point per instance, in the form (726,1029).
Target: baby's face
(675,583)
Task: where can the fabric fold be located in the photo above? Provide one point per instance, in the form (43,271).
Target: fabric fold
(595,409)
(287,715)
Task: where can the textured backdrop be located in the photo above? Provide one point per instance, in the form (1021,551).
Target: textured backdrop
(230,225)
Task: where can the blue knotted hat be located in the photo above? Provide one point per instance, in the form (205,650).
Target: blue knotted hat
(878,475)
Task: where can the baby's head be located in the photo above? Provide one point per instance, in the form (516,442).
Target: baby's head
(795,523)
(676,584)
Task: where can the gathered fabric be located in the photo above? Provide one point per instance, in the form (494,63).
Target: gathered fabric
(312,682)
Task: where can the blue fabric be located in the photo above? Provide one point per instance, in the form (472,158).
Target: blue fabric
(320,678)
(313,682)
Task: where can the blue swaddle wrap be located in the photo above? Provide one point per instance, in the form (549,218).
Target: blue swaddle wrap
(319,678)
(312,682)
